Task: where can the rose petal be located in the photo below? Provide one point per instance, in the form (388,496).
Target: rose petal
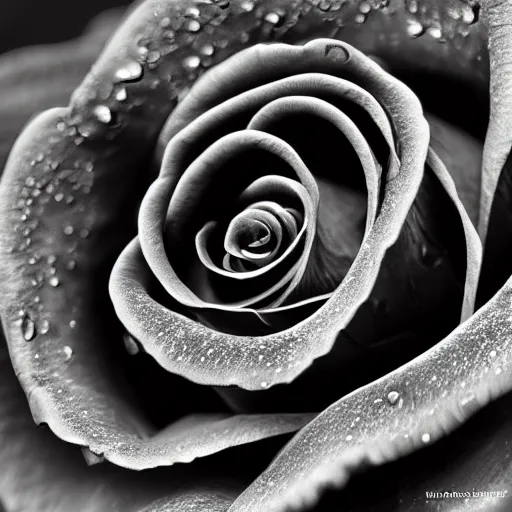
(191,502)
(457,473)
(499,134)
(57,344)
(154,205)
(417,404)
(40,472)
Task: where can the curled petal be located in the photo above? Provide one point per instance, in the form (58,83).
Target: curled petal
(57,344)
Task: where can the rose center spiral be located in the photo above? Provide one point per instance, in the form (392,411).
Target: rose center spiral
(258,234)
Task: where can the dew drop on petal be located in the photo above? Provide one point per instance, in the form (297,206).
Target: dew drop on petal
(45,327)
(28,328)
(103,114)
(435,32)
(365,7)
(247,6)
(393,397)
(130,345)
(425,438)
(68,352)
(192,62)
(273,18)
(121,94)
(92,458)
(54,281)
(415,29)
(132,71)
(193,26)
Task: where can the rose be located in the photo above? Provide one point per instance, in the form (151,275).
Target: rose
(26,325)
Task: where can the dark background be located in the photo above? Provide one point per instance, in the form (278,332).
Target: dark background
(27,22)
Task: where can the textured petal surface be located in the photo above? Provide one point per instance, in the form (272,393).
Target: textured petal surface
(499,135)
(57,344)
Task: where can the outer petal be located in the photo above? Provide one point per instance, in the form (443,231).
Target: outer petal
(40,473)
(499,135)
(78,397)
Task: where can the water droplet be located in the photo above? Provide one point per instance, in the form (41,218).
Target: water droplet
(468,16)
(360,18)
(92,458)
(103,114)
(207,49)
(54,281)
(153,56)
(273,18)
(349,438)
(69,230)
(498,370)
(193,26)
(337,52)
(413,6)
(415,29)
(59,197)
(132,71)
(28,328)
(45,327)
(365,7)
(84,233)
(492,353)
(165,22)
(71,265)
(435,32)
(393,397)
(72,324)
(121,94)
(425,438)
(192,62)
(68,352)
(130,345)
(247,6)
(264,384)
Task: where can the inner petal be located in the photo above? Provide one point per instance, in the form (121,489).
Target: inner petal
(253,235)
(228,164)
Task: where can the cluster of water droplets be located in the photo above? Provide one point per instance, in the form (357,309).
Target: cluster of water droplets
(51,185)
(442,23)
